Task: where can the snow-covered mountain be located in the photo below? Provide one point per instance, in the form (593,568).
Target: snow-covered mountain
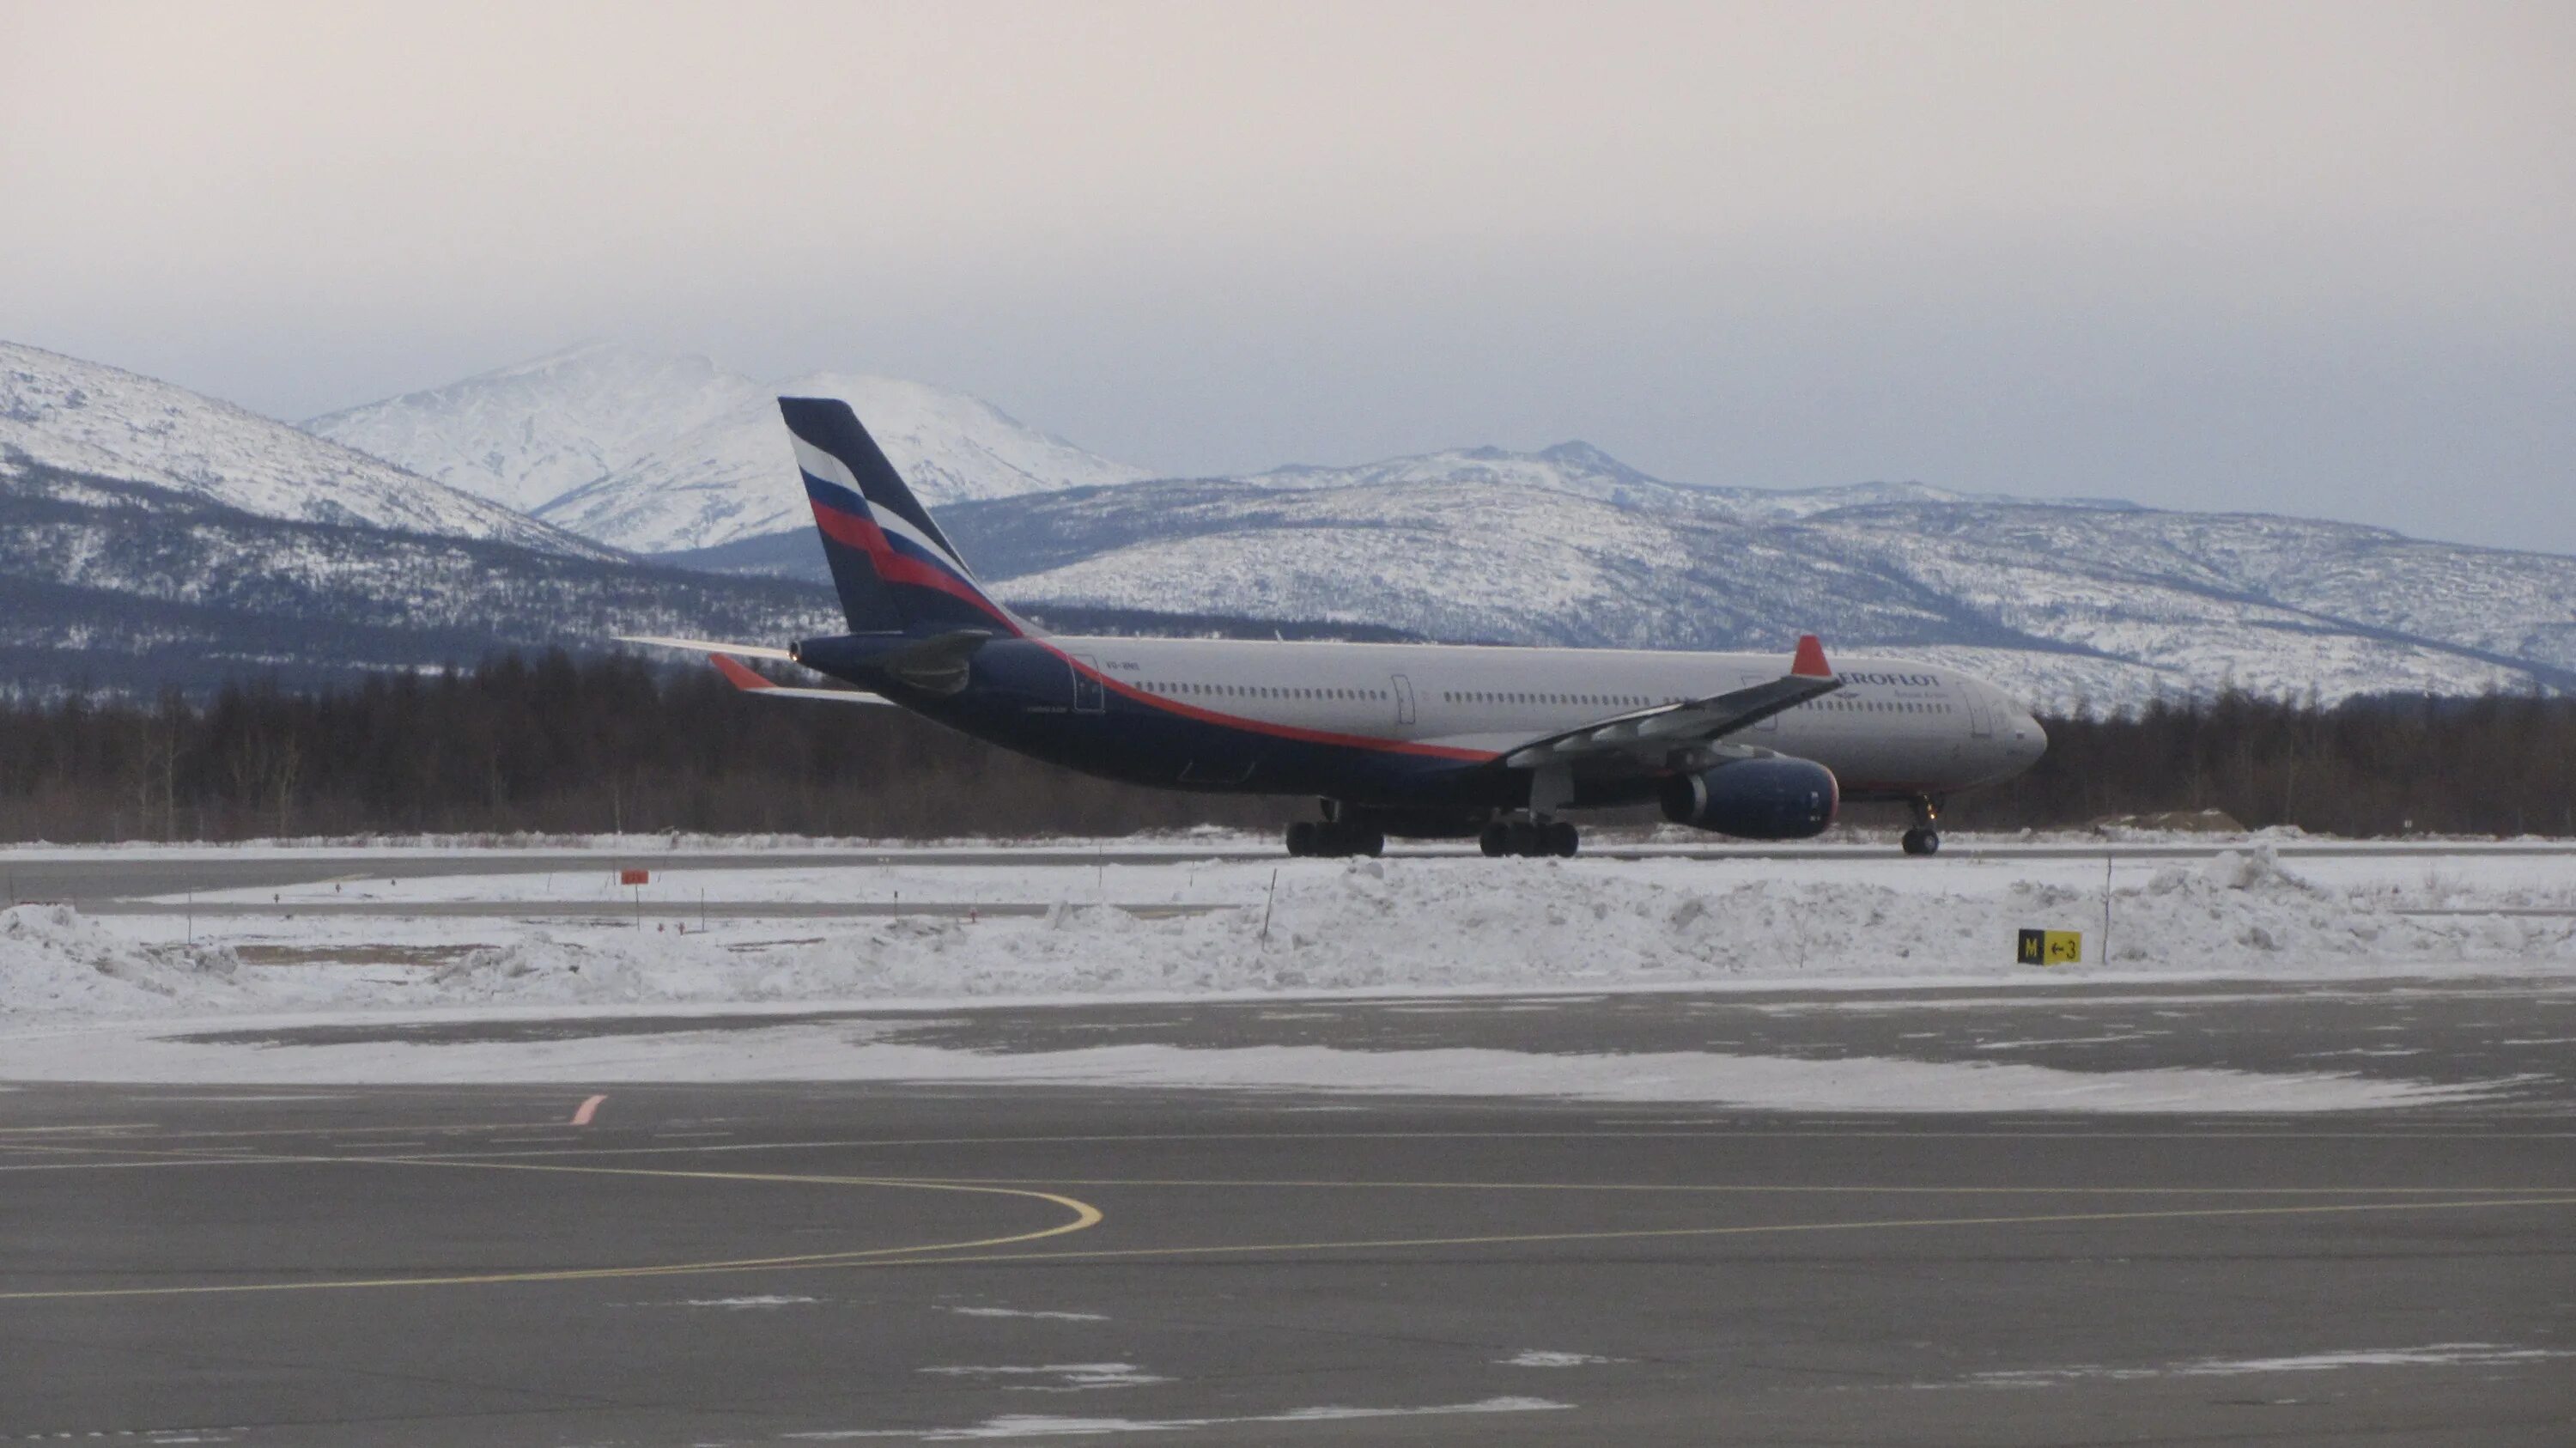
(140,517)
(526,435)
(61,414)
(2063,601)
(152,537)
(109,584)
(1586,471)
(658,453)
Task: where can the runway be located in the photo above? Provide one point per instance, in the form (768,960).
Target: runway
(796,1262)
(91,879)
(613,912)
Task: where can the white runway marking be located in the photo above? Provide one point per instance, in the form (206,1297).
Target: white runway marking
(2440,1354)
(1068,1377)
(1018,1426)
(1536,1358)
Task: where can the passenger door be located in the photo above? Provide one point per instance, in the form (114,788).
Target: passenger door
(1088,696)
(1403,699)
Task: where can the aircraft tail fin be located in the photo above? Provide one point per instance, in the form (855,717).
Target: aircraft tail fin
(895,571)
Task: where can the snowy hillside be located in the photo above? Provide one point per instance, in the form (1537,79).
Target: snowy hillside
(110,584)
(1586,471)
(165,524)
(658,453)
(62,414)
(526,435)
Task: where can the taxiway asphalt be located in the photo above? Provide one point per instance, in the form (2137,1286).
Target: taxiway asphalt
(813,1262)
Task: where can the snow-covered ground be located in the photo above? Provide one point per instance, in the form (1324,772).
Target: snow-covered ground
(78,990)
(1402,923)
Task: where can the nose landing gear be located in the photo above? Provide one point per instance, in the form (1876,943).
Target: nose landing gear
(1925,837)
(1531,838)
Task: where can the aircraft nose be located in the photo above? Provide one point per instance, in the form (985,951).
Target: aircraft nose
(2027,735)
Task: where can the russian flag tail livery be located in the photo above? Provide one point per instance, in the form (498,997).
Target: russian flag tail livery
(895,571)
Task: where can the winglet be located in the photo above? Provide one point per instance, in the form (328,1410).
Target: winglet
(1810,662)
(741,677)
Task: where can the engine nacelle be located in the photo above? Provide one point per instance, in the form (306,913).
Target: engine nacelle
(1755,799)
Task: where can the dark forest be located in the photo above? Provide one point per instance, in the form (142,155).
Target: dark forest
(552,745)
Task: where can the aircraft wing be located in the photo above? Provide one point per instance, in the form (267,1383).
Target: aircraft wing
(751,683)
(1648,737)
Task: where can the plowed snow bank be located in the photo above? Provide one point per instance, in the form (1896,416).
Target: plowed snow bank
(1398,923)
(52,961)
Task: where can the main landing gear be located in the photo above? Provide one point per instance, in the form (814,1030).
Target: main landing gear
(1925,837)
(1531,838)
(1334,838)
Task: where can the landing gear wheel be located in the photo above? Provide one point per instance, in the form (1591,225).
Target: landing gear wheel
(1364,841)
(1301,838)
(1496,841)
(1560,839)
(1520,839)
(1922,841)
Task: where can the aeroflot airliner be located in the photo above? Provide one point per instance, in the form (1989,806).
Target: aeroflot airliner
(1418,740)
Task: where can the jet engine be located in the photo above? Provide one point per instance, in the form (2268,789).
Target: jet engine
(1755,799)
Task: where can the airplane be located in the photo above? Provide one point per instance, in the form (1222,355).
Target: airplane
(1425,741)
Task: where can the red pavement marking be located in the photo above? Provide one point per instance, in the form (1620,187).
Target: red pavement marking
(588,1108)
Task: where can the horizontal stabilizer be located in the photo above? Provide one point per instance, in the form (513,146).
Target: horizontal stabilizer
(750,683)
(706,646)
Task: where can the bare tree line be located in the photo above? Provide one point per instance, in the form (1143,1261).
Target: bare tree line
(555,745)
(2499,764)
(550,745)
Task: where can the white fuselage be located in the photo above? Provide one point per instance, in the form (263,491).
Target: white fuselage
(1895,728)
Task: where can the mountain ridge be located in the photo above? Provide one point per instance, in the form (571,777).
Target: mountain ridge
(215,526)
(654,452)
(65,414)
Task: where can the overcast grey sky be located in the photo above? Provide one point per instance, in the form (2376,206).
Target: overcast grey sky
(2305,258)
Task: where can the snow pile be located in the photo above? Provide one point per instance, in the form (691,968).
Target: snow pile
(1430,924)
(1392,924)
(54,961)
